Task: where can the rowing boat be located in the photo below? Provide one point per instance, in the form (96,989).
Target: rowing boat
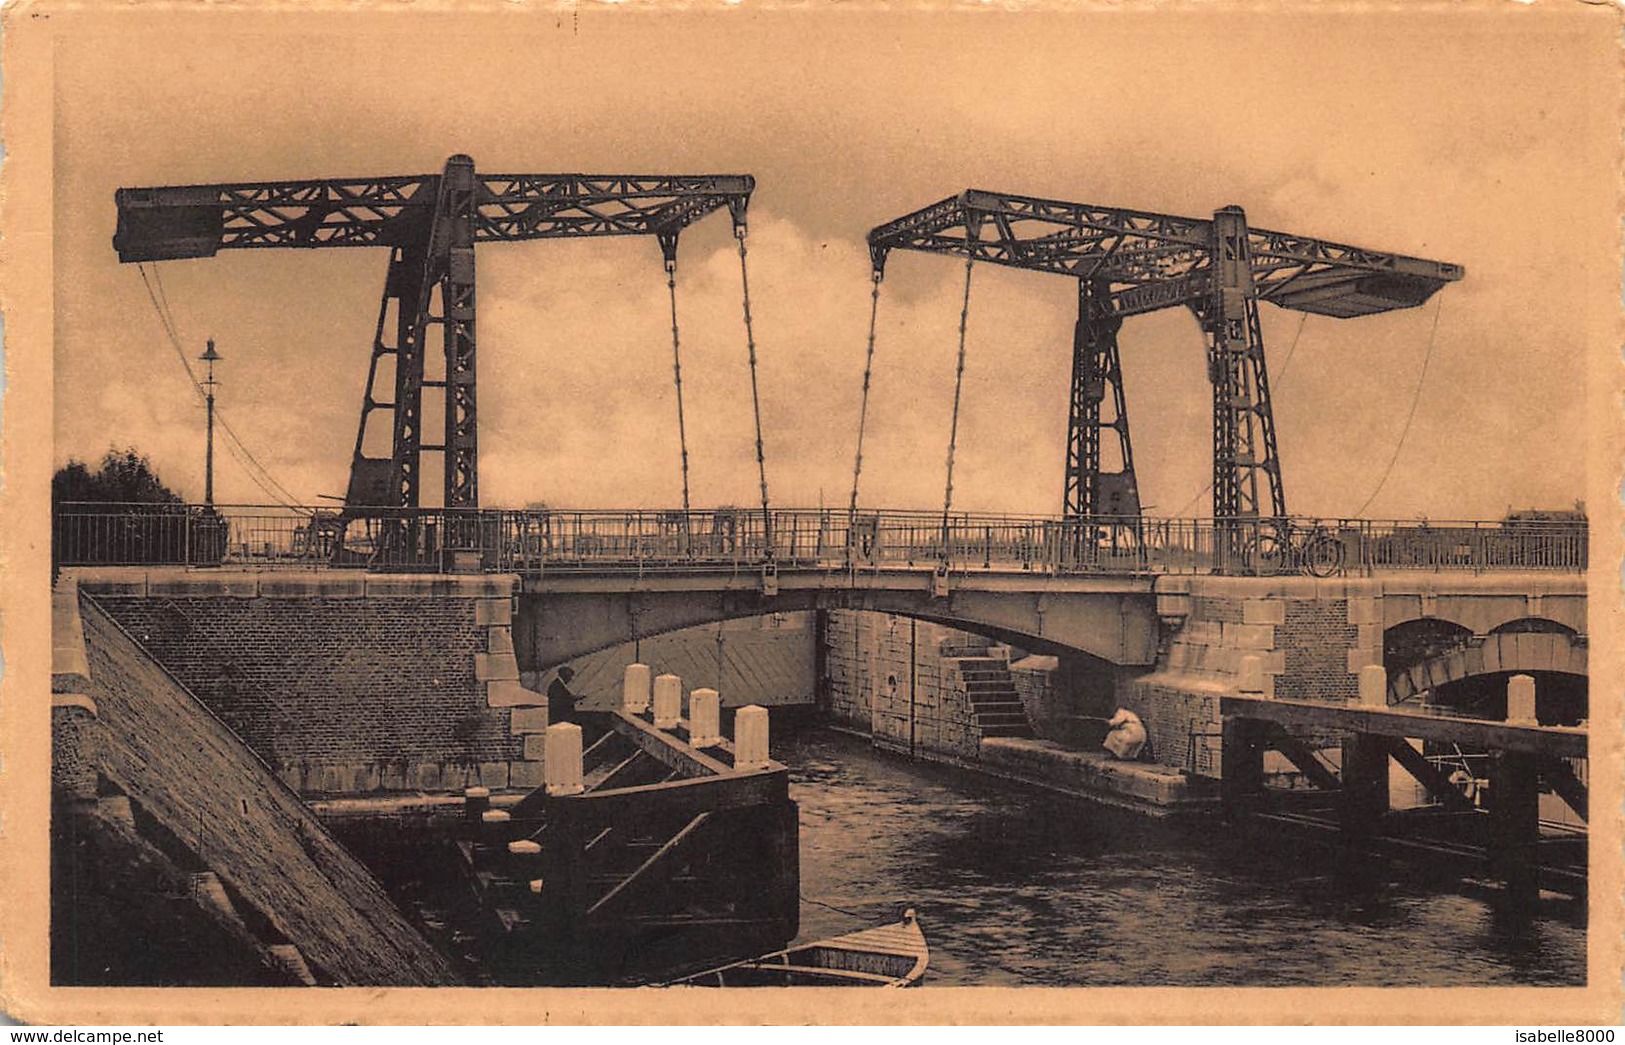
(892,955)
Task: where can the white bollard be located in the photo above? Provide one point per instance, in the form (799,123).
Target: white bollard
(562,767)
(704,718)
(668,701)
(750,737)
(635,689)
(1251,677)
(1374,686)
(1521,701)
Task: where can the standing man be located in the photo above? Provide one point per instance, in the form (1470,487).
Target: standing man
(561,703)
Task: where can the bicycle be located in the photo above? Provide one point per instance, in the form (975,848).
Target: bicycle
(1283,546)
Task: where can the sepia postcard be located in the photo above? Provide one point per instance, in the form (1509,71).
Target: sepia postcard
(628,513)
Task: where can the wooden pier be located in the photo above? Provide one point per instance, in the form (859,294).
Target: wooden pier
(1495,835)
(654,849)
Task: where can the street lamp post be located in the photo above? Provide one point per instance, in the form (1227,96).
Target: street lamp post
(209,356)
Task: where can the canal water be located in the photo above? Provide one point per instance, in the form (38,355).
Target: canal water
(1015,886)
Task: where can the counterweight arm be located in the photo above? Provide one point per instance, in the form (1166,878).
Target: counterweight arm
(431,223)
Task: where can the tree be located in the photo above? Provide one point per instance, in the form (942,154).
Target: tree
(125,477)
(93,520)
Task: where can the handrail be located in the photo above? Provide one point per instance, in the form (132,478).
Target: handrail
(656,540)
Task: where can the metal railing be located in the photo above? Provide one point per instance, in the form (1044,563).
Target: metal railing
(543,540)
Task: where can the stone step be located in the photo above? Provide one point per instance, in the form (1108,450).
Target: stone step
(966,649)
(1002,718)
(1000,707)
(1007,731)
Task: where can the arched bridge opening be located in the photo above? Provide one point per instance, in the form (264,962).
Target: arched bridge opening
(1443,663)
(1113,623)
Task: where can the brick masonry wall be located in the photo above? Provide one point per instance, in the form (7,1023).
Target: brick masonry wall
(867,685)
(1315,642)
(381,683)
(1181,722)
(1055,692)
(197,779)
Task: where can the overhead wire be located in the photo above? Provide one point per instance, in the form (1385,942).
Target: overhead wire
(244,456)
(1416,398)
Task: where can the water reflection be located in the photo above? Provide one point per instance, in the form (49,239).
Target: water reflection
(1019,887)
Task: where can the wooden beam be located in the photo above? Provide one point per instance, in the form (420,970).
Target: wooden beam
(659,744)
(1299,754)
(607,781)
(654,858)
(600,748)
(1567,786)
(1241,765)
(675,798)
(1515,828)
(1557,741)
(1365,799)
(1429,776)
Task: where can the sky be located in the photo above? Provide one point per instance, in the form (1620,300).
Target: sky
(1480,135)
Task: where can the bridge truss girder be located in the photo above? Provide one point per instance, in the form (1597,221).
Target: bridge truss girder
(1133,262)
(431,224)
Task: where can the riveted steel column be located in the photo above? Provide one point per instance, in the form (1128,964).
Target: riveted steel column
(1243,424)
(457,299)
(1097,373)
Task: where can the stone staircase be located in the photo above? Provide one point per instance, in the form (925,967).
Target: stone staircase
(996,708)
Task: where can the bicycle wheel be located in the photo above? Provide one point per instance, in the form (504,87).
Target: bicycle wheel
(1322,555)
(1266,553)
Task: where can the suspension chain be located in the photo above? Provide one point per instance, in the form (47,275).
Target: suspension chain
(863,409)
(953,429)
(755,396)
(677,377)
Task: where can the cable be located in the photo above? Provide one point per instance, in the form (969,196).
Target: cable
(677,376)
(863,409)
(1280,376)
(838,910)
(755,398)
(159,301)
(953,427)
(1415,399)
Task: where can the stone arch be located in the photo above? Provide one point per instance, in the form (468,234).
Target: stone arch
(1534,626)
(1421,639)
(1513,652)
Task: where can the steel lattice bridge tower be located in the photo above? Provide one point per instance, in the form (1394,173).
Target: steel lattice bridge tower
(1131,262)
(431,224)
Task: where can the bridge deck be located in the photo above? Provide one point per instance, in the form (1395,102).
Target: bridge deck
(540,541)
